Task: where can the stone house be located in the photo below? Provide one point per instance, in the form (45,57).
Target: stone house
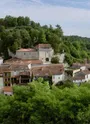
(43,52)
(53,72)
(15,71)
(78,73)
(81,77)
(25,54)
(15,74)
(18,61)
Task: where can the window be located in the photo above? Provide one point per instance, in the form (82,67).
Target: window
(8,84)
(5,80)
(24,53)
(5,74)
(47,59)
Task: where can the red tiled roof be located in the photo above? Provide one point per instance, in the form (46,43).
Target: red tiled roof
(25,73)
(11,67)
(86,71)
(79,78)
(7,89)
(5,68)
(26,50)
(33,61)
(43,46)
(15,76)
(17,61)
(81,75)
(47,70)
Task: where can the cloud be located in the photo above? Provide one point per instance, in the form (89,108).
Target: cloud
(74,21)
(37,2)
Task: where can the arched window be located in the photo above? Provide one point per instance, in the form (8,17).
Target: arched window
(47,59)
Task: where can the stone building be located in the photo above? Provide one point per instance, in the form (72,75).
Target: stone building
(31,54)
(43,52)
(51,72)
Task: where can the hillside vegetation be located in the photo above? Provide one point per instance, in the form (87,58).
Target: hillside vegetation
(23,32)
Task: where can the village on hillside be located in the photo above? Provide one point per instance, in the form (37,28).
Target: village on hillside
(30,64)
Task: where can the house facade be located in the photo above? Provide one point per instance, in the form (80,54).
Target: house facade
(52,72)
(27,54)
(58,78)
(15,74)
(82,76)
(45,52)
(78,73)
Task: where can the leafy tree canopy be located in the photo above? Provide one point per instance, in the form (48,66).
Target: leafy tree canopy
(38,103)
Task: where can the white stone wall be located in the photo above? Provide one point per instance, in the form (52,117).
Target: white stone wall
(8,93)
(45,53)
(57,78)
(14,73)
(1,82)
(40,54)
(83,68)
(78,82)
(27,55)
(88,76)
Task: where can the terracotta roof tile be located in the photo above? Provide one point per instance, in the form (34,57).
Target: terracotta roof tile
(47,70)
(17,61)
(86,71)
(81,75)
(7,89)
(43,46)
(78,78)
(26,50)
(25,73)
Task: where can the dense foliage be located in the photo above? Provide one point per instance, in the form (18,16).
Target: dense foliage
(38,103)
(55,60)
(23,32)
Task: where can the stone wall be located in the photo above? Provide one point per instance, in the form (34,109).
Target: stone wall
(27,55)
(45,55)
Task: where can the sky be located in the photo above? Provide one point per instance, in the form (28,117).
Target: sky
(72,15)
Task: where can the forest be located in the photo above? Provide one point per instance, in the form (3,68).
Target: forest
(22,32)
(40,103)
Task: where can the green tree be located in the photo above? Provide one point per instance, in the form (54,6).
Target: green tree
(54,40)
(2,23)
(20,21)
(38,103)
(55,60)
(25,38)
(42,37)
(26,21)
(2,28)
(10,21)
